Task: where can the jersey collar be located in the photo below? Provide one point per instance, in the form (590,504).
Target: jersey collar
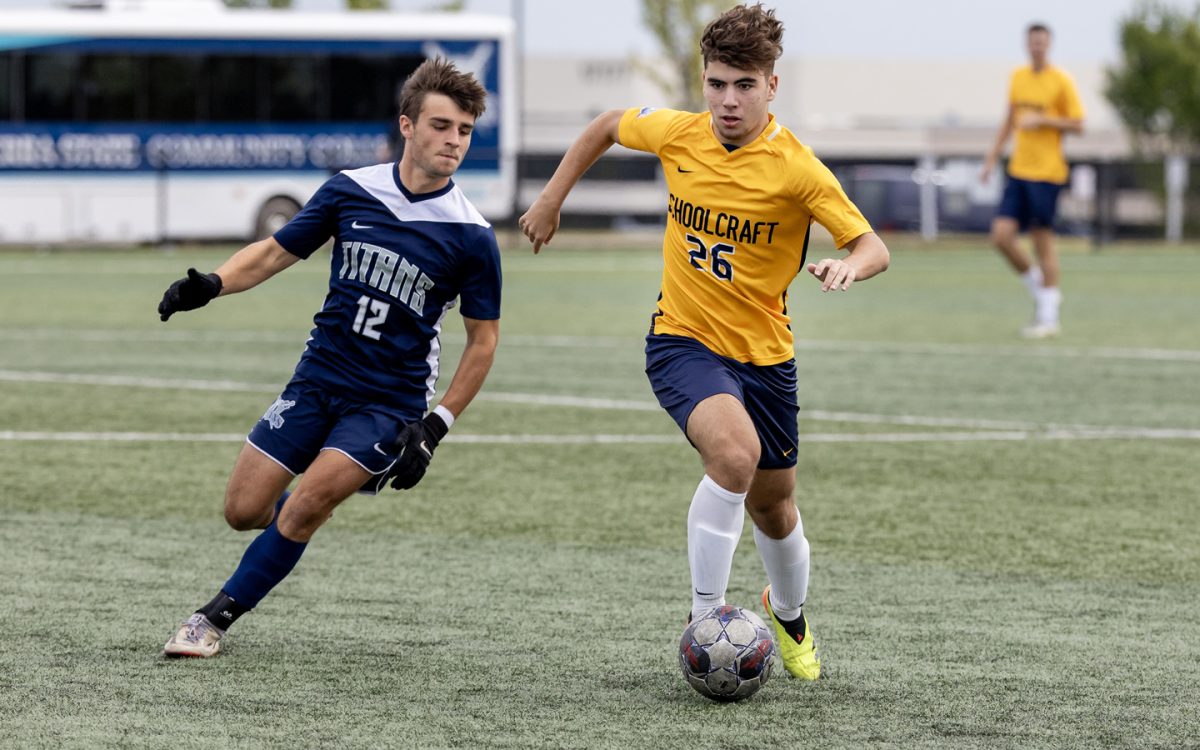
(418,197)
(768,133)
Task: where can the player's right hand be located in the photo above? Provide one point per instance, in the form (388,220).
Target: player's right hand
(539,223)
(985,174)
(193,291)
(834,274)
(415,445)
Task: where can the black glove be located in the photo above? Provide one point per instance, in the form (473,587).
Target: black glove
(189,293)
(415,444)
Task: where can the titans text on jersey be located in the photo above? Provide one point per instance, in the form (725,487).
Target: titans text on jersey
(400,262)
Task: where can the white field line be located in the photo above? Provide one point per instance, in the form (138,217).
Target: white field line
(991,350)
(163,334)
(134,381)
(900,437)
(622,342)
(997,426)
(121,437)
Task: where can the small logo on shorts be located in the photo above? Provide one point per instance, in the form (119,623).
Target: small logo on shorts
(274,415)
(380,450)
(788,452)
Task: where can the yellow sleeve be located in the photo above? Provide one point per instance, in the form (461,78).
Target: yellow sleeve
(820,192)
(646,128)
(1069,100)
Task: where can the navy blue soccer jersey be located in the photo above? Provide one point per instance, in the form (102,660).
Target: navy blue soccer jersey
(400,262)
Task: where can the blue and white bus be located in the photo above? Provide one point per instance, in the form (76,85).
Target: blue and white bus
(190,122)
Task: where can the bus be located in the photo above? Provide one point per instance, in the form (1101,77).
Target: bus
(185,121)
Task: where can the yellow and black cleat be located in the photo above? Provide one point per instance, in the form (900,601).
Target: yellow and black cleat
(800,657)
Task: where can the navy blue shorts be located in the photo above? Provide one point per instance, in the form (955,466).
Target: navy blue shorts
(306,419)
(1032,204)
(684,372)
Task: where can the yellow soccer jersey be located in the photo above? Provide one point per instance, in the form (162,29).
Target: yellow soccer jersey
(1037,154)
(737,230)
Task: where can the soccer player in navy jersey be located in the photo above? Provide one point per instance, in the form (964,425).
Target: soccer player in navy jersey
(407,246)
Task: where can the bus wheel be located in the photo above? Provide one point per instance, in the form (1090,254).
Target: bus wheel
(273,215)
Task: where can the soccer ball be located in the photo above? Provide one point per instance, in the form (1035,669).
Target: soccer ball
(727,654)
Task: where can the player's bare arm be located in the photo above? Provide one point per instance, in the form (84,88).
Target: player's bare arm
(247,268)
(473,367)
(1006,129)
(540,222)
(868,257)
(419,439)
(253,264)
(1037,120)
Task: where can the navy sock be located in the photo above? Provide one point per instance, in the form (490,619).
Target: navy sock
(267,561)
(224,610)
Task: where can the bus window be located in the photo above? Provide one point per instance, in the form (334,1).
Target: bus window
(6,86)
(297,90)
(233,90)
(365,88)
(175,88)
(110,85)
(50,86)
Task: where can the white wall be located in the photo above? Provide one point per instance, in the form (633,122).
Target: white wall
(842,107)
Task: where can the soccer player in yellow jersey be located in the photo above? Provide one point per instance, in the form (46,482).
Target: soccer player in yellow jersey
(1042,106)
(743,193)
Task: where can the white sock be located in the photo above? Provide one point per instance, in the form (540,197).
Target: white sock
(786,561)
(1033,280)
(714,525)
(1048,299)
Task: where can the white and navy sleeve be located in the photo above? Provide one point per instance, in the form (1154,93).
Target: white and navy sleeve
(314,225)
(479,292)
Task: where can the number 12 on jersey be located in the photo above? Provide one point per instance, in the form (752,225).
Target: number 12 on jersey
(720,267)
(378,311)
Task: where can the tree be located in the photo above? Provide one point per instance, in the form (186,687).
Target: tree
(678,24)
(366,4)
(1156,87)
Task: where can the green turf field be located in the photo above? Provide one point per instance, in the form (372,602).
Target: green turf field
(1005,534)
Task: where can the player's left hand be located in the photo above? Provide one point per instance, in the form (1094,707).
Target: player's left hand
(415,444)
(189,293)
(540,222)
(834,274)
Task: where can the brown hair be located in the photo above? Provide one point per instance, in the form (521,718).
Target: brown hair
(439,76)
(1036,27)
(747,37)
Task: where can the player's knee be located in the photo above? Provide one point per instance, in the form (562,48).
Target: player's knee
(775,518)
(1000,235)
(239,518)
(301,524)
(243,511)
(306,512)
(733,465)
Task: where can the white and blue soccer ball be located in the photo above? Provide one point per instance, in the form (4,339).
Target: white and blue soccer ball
(727,654)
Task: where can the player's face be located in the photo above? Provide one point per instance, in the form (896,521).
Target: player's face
(738,100)
(438,140)
(1038,45)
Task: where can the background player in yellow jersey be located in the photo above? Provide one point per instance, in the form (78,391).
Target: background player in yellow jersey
(743,192)
(1042,106)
